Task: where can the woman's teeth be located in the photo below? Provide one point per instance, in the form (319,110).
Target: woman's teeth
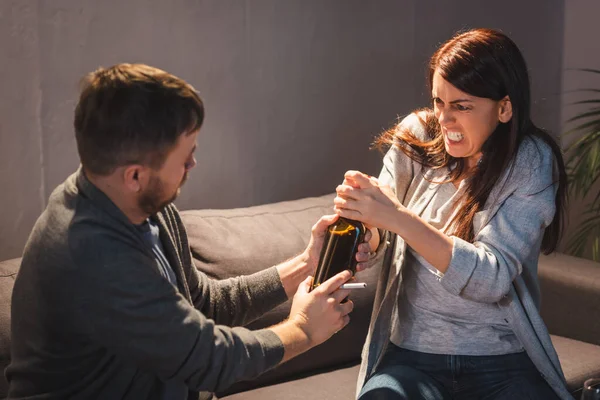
(455,136)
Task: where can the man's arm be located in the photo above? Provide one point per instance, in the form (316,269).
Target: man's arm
(240,300)
(127,308)
(314,316)
(232,302)
(292,272)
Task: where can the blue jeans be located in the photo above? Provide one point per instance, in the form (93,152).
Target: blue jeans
(406,374)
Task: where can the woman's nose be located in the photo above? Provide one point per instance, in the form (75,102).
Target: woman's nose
(444,117)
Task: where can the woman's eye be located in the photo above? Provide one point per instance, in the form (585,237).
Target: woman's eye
(461,107)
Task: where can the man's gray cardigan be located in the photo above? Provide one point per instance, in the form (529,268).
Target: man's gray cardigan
(92,317)
(500,266)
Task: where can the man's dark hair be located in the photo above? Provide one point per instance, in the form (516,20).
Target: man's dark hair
(132,114)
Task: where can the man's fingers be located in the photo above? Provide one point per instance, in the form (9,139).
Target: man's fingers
(304,286)
(347,307)
(340,295)
(327,219)
(332,284)
(346,321)
(324,222)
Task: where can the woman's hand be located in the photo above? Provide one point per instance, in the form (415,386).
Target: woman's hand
(362,198)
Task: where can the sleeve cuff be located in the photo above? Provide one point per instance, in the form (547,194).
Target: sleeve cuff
(462,265)
(272,347)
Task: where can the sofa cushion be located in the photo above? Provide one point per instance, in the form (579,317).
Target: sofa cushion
(579,360)
(8,271)
(234,242)
(339,384)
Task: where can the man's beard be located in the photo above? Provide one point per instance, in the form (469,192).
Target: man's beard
(153,199)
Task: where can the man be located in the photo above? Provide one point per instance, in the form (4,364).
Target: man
(107,303)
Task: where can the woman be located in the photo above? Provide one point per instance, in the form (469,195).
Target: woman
(469,194)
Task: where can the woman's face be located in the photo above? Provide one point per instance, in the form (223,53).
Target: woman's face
(466,121)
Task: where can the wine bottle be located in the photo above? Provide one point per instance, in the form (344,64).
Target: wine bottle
(339,249)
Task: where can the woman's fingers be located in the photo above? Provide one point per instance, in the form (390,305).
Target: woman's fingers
(361,267)
(368,236)
(359,179)
(362,257)
(350,214)
(341,202)
(362,199)
(347,191)
(347,207)
(364,247)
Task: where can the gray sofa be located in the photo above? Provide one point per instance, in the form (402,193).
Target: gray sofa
(228,243)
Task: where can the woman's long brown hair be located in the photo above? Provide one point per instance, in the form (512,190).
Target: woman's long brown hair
(483,63)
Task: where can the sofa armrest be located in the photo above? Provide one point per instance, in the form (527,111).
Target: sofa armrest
(570,296)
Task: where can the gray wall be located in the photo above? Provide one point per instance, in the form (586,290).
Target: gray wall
(295,90)
(581,50)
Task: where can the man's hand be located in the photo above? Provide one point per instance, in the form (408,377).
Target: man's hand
(317,237)
(321,312)
(315,316)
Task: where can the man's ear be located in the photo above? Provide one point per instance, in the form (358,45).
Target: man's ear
(135,177)
(505,110)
